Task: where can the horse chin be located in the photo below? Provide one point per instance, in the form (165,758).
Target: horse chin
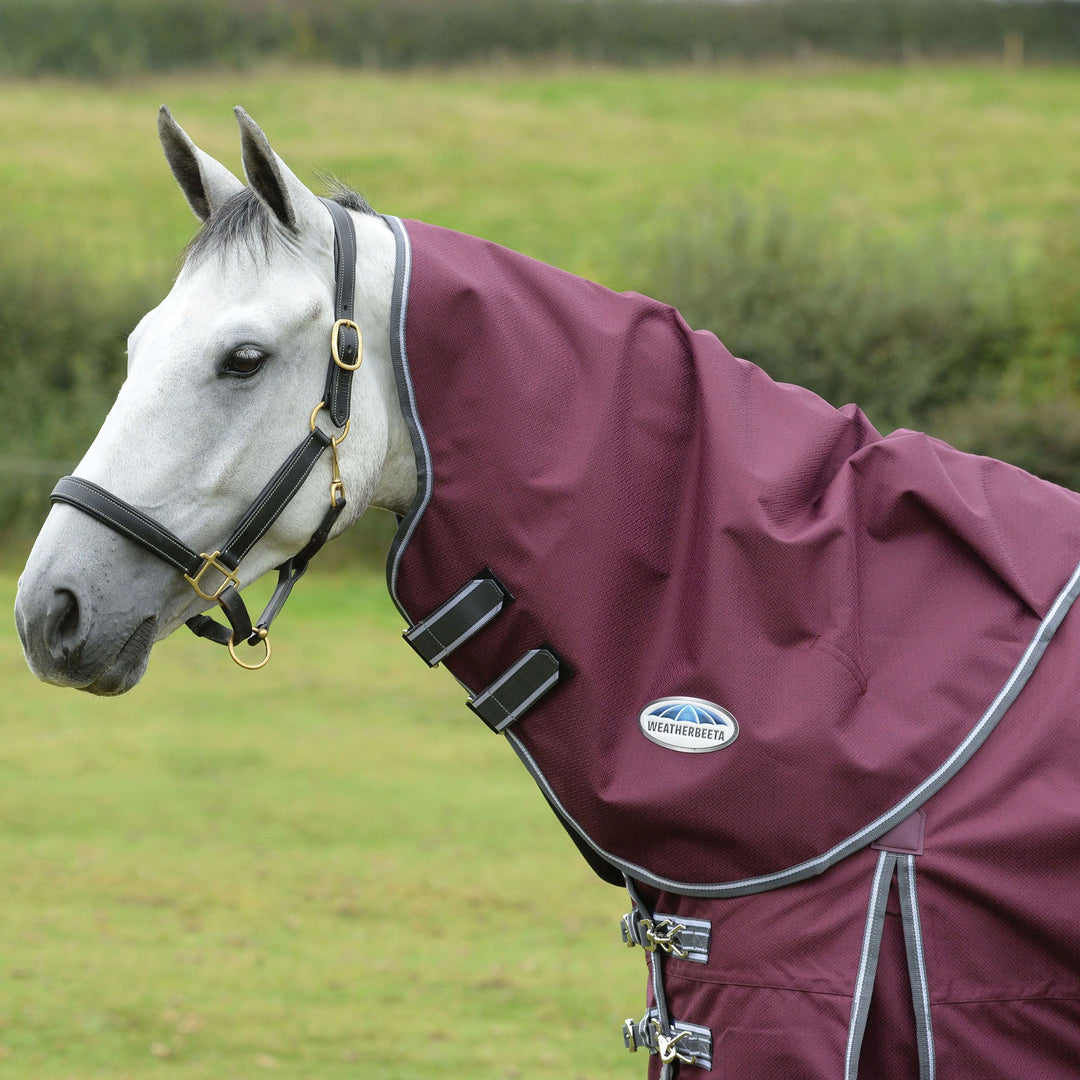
(129,664)
(120,673)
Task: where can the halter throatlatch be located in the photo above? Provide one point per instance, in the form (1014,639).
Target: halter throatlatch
(213,575)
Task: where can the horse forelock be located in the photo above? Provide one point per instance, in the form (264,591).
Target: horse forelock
(243,220)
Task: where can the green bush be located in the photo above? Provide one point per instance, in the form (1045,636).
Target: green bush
(62,355)
(1041,437)
(902,332)
(1052,297)
(104,38)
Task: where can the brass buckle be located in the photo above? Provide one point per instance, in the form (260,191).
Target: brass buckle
(667,1049)
(658,939)
(210,562)
(335,351)
(264,637)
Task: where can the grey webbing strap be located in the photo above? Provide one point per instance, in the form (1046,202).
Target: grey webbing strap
(916,960)
(518,689)
(689,1044)
(868,961)
(471,608)
(684,939)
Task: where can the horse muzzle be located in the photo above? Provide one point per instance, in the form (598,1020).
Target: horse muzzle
(66,644)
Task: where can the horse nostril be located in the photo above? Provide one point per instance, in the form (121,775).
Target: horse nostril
(62,624)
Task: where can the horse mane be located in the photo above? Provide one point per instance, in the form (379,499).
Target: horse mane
(243,219)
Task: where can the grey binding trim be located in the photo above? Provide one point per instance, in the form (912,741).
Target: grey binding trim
(916,960)
(399,305)
(868,961)
(866,835)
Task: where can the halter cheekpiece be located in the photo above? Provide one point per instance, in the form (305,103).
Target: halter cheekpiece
(213,575)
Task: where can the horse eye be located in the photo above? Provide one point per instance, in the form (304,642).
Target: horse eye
(244,361)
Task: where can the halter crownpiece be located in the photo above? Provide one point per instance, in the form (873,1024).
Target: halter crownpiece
(213,575)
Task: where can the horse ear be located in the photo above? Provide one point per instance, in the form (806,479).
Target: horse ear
(287,198)
(205,183)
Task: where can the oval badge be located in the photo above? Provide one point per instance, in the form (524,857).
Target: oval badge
(689,725)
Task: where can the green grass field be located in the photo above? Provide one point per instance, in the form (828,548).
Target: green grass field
(565,165)
(329,868)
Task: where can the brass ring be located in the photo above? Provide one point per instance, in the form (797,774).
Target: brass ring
(336,440)
(265,638)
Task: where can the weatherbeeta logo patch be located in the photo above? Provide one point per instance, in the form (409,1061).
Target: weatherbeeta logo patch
(689,725)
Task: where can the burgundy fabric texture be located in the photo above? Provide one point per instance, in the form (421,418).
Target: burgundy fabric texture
(674,522)
(998,885)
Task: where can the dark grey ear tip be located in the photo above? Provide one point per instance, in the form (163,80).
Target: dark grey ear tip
(247,125)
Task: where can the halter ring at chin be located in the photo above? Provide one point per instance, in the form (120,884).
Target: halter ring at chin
(264,637)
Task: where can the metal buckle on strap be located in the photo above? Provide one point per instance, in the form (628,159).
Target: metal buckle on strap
(666,1047)
(337,488)
(335,344)
(663,935)
(210,562)
(685,939)
(688,1044)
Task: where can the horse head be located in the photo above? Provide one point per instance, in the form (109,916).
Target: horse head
(223,377)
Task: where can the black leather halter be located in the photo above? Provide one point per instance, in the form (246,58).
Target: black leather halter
(202,571)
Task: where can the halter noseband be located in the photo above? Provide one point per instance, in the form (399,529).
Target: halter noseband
(346,355)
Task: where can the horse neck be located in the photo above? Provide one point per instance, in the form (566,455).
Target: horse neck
(376,260)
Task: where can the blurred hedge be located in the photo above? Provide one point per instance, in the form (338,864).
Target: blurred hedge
(903,331)
(105,38)
(62,347)
(965,344)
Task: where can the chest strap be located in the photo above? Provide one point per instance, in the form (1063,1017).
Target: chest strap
(687,1044)
(470,609)
(685,939)
(519,688)
(478,602)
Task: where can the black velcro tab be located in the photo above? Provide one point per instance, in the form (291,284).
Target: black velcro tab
(472,607)
(518,689)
